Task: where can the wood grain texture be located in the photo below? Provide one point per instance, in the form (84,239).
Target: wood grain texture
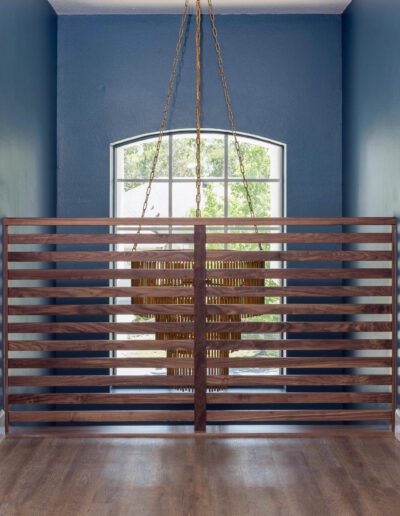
(212,381)
(200,344)
(180,476)
(59,292)
(111,238)
(297,256)
(99,345)
(135,309)
(188,398)
(221,416)
(98,256)
(300,309)
(296,327)
(297,273)
(99,327)
(208,221)
(112,416)
(300,238)
(300,291)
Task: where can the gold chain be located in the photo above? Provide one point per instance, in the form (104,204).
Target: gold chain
(230,111)
(198,108)
(164,118)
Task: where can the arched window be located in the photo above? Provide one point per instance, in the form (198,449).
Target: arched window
(173,194)
(173,191)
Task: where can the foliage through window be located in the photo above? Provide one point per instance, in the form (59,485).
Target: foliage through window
(222,193)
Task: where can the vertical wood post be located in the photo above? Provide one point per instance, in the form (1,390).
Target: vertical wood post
(394,322)
(200,344)
(5,322)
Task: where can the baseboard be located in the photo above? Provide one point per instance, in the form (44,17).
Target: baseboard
(397,424)
(2,424)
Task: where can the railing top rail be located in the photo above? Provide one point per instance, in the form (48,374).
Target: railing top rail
(272,221)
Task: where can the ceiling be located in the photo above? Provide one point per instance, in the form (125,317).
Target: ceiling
(221,6)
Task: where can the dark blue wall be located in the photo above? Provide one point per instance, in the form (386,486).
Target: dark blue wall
(28,65)
(285,77)
(371,95)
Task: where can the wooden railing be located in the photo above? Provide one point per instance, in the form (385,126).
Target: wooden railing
(327,308)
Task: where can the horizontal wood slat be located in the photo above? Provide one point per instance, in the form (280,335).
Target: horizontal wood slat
(314,362)
(99,256)
(299,327)
(76,238)
(83,363)
(187,345)
(93,363)
(129,256)
(132,238)
(213,416)
(207,221)
(100,381)
(249,309)
(100,274)
(301,238)
(300,309)
(301,344)
(297,273)
(109,274)
(188,398)
(220,416)
(293,397)
(299,380)
(212,381)
(300,291)
(110,309)
(111,399)
(57,292)
(99,327)
(111,416)
(99,345)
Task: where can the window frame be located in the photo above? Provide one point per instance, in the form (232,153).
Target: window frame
(225,178)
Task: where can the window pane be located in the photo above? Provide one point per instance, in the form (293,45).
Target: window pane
(256,159)
(131,196)
(184,156)
(260,194)
(184,199)
(138,160)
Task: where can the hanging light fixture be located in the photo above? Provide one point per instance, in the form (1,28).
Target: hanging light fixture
(214,264)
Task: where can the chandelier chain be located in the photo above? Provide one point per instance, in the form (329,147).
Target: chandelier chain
(198,108)
(164,119)
(231,116)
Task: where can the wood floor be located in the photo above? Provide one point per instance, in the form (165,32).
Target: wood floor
(200,476)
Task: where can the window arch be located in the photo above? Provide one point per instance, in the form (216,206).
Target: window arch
(173,190)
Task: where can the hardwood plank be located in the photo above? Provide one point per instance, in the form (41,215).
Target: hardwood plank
(5,317)
(299,380)
(112,399)
(189,221)
(106,309)
(301,344)
(315,291)
(301,238)
(394,325)
(100,327)
(297,273)
(100,345)
(293,397)
(200,344)
(100,381)
(329,327)
(99,363)
(109,238)
(70,416)
(215,416)
(59,292)
(308,363)
(99,256)
(296,256)
(106,274)
(300,309)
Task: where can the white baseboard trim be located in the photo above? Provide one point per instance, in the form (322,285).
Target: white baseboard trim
(397,425)
(2,424)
